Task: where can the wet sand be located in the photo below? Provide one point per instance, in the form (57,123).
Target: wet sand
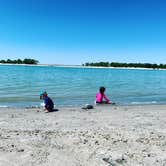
(103,136)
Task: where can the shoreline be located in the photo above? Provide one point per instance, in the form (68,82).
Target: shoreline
(80,66)
(80,106)
(95,107)
(106,135)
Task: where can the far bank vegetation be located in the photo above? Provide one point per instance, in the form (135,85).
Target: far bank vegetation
(125,65)
(19,61)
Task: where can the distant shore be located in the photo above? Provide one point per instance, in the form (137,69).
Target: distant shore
(105,135)
(80,66)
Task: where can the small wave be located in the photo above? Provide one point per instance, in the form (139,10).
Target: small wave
(33,106)
(3,106)
(150,102)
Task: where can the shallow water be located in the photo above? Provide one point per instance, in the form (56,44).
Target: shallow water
(21,85)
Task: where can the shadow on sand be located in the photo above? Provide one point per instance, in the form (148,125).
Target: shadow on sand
(54,110)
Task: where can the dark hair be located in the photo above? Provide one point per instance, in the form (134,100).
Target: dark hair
(102,89)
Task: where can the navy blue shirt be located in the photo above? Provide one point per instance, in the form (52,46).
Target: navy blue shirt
(48,102)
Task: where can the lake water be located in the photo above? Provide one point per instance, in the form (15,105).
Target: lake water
(20,86)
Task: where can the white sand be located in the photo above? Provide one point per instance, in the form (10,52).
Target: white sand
(110,135)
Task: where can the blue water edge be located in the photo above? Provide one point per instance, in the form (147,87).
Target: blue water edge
(20,86)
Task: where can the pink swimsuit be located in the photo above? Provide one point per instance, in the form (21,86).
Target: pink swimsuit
(99,98)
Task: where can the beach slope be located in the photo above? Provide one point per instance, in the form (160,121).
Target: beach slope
(106,135)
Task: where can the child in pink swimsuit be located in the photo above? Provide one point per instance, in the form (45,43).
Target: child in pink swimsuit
(100,96)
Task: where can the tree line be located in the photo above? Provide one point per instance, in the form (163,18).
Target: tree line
(134,65)
(19,61)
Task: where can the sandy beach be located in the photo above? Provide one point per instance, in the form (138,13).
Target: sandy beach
(103,136)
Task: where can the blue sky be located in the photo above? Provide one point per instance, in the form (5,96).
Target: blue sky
(79,31)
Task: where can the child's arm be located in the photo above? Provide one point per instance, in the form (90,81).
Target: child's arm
(106,98)
(46,102)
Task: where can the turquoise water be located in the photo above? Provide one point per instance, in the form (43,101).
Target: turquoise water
(20,86)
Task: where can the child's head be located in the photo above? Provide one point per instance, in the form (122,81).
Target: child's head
(102,89)
(43,94)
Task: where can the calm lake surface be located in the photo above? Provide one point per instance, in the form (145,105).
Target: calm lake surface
(20,86)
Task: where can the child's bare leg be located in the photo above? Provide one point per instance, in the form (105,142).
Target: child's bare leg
(46,110)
